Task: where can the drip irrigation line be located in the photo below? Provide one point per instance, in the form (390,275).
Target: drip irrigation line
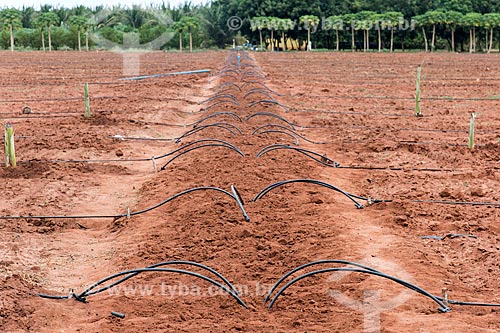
(143,77)
(282,132)
(162,270)
(258,131)
(38,117)
(448,236)
(222,97)
(352,197)
(216,114)
(422,130)
(219,103)
(57,99)
(122,138)
(229,84)
(267,101)
(261,90)
(224,75)
(222,142)
(459,203)
(443,308)
(401,98)
(128,214)
(201,146)
(322,159)
(248,83)
(362,167)
(356,113)
(226,126)
(270,114)
(89,291)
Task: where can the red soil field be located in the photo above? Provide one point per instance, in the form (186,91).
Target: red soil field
(356,109)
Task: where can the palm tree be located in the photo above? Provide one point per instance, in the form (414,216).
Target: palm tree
(452,19)
(273,24)
(351,19)
(40,25)
(79,23)
(191,23)
(310,22)
(49,19)
(179,27)
(472,21)
(434,18)
(391,20)
(336,23)
(491,21)
(421,21)
(11,18)
(259,23)
(285,25)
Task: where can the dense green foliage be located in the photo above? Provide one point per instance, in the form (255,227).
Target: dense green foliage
(463,25)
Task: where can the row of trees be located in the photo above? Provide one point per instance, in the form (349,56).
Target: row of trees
(335,24)
(365,21)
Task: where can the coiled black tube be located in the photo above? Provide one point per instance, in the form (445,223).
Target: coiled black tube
(267,101)
(258,130)
(201,146)
(225,126)
(217,114)
(322,159)
(269,114)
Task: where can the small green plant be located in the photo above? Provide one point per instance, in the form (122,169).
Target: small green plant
(471,130)
(10,151)
(86,101)
(418,112)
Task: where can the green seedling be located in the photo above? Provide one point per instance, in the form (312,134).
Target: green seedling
(10,151)
(86,101)
(471,130)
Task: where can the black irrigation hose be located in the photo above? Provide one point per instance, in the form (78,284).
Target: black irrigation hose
(267,101)
(231,84)
(220,76)
(443,308)
(201,146)
(219,103)
(220,96)
(322,159)
(216,114)
(459,203)
(312,263)
(128,214)
(229,145)
(270,114)
(352,197)
(244,85)
(89,292)
(261,90)
(257,131)
(228,127)
(282,132)
(164,270)
(362,167)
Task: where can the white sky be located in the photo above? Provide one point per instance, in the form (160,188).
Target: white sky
(91,3)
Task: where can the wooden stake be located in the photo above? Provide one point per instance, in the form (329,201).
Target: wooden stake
(471,130)
(86,101)
(418,112)
(10,151)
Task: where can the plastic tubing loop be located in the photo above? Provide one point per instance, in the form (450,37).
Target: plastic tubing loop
(315,182)
(267,92)
(220,96)
(165,270)
(219,103)
(196,142)
(201,146)
(228,127)
(217,114)
(267,101)
(309,153)
(126,214)
(283,132)
(442,307)
(247,83)
(229,84)
(258,129)
(270,114)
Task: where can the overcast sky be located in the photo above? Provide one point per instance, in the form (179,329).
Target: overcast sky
(90,3)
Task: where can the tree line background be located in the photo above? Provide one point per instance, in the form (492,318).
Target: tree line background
(461,25)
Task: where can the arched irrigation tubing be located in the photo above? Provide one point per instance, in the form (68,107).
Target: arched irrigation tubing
(258,131)
(221,97)
(248,83)
(89,291)
(226,126)
(129,213)
(163,270)
(443,308)
(222,142)
(352,197)
(282,132)
(229,84)
(261,90)
(219,103)
(217,114)
(267,101)
(322,159)
(270,114)
(231,147)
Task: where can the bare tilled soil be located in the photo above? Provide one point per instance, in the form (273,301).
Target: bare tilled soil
(78,179)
